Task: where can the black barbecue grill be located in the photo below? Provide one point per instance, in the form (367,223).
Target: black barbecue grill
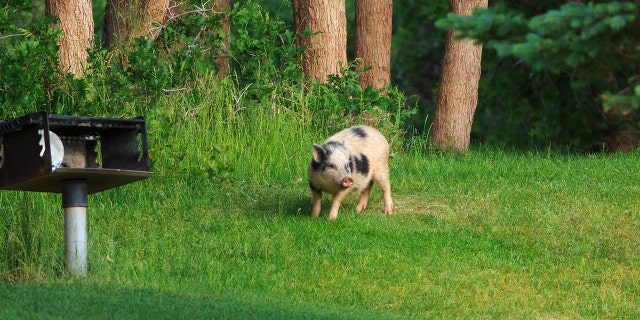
(105,152)
(75,156)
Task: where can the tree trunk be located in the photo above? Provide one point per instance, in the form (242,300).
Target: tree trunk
(458,93)
(373,41)
(75,19)
(126,20)
(326,49)
(222,61)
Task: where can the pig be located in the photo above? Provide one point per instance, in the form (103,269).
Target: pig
(350,162)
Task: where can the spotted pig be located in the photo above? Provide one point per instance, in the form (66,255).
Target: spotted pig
(350,162)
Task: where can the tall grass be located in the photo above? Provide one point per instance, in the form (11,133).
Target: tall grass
(229,132)
(222,229)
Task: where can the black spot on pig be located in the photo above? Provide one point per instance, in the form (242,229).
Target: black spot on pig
(361,164)
(370,184)
(358,131)
(330,146)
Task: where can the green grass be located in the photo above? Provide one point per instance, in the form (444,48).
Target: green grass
(489,234)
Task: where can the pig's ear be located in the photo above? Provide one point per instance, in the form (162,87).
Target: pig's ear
(318,153)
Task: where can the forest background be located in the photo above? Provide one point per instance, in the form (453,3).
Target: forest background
(518,105)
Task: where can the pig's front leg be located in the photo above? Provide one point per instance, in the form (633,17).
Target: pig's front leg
(317,201)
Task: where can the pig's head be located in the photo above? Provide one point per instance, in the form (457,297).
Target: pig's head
(331,164)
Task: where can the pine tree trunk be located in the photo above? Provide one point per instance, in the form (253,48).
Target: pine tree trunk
(75,19)
(115,29)
(327,48)
(222,61)
(373,41)
(155,12)
(458,91)
(126,20)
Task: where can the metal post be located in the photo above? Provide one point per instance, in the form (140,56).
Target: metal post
(74,202)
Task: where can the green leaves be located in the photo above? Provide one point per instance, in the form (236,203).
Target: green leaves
(487,24)
(617,23)
(570,36)
(573,35)
(29,79)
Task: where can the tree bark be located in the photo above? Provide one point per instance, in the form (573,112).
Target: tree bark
(126,20)
(326,49)
(373,41)
(458,93)
(75,19)
(222,61)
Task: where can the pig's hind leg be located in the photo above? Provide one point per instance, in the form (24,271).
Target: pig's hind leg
(382,180)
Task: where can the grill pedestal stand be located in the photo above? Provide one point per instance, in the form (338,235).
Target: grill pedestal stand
(74,203)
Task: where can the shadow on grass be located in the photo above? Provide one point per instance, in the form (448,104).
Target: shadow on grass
(280,200)
(297,206)
(77,301)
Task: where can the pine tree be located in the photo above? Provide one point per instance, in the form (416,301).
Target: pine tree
(593,39)
(592,43)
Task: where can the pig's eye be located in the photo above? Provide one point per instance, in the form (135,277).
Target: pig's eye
(331,166)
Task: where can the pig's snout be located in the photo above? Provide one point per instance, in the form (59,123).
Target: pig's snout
(347,182)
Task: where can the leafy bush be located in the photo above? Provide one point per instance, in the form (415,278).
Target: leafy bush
(29,58)
(118,81)
(345,102)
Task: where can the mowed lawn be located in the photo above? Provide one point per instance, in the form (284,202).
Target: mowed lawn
(490,234)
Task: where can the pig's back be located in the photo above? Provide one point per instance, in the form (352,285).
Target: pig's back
(365,140)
